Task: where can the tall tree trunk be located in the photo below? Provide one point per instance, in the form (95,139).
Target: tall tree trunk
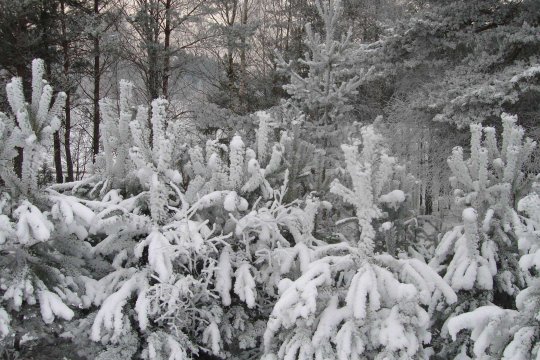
(154,63)
(153,72)
(231,18)
(242,91)
(57,145)
(166,53)
(230,72)
(289,24)
(58,157)
(97,80)
(67,140)
(67,132)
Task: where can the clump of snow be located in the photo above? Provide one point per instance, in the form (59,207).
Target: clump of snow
(393,199)
(244,285)
(4,323)
(33,226)
(253,166)
(212,337)
(236,143)
(223,275)
(213,162)
(469,215)
(159,255)
(234,202)
(51,305)
(387,225)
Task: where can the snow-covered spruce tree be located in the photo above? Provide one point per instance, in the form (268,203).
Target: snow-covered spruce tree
(42,232)
(325,92)
(322,92)
(28,128)
(348,302)
(506,333)
(479,259)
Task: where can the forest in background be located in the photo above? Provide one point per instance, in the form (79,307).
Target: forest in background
(276,179)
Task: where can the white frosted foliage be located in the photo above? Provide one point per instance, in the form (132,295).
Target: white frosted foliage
(30,127)
(263,135)
(159,255)
(467,268)
(371,171)
(236,157)
(223,274)
(212,337)
(244,285)
(32,226)
(4,323)
(110,315)
(52,306)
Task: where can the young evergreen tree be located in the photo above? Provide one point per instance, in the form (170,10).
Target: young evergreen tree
(480,259)
(325,92)
(507,333)
(349,302)
(42,233)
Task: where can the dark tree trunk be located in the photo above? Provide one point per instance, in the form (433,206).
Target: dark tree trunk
(21,72)
(230,72)
(153,72)
(58,158)
(67,133)
(67,140)
(97,80)
(18,162)
(231,18)
(57,145)
(242,93)
(166,54)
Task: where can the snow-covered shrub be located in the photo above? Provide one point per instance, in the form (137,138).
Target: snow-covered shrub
(42,232)
(479,259)
(159,251)
(177,244)
(114,168)
(348,302)
(507,333)
(273,242)
(268,235)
